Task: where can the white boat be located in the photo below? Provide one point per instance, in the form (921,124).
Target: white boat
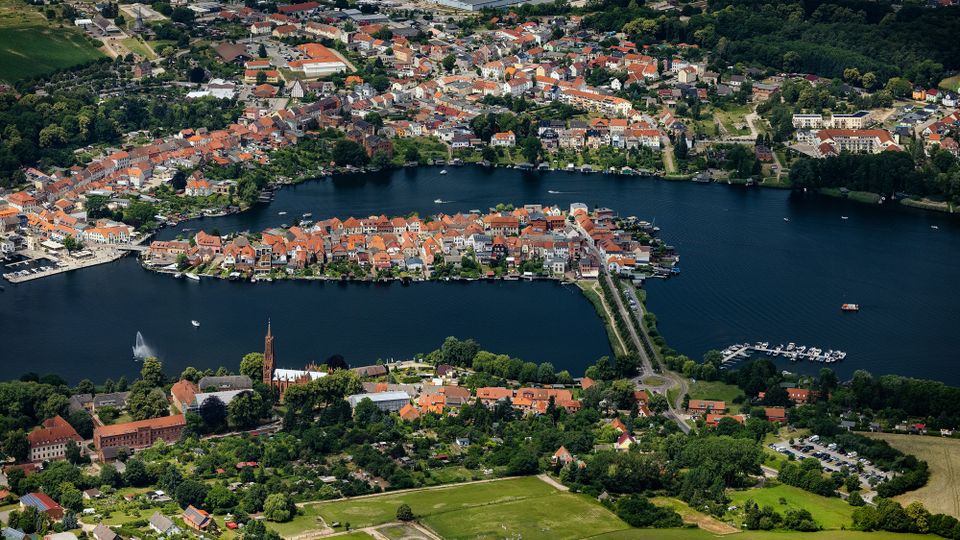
(194,277)
(438,201)
(553,192)
(196,324)
(786,219)
(281,213)
(934,227)
(178,275)
(307,214)
(444,171)
(844,217)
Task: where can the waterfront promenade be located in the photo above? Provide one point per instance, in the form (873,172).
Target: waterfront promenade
(100,254)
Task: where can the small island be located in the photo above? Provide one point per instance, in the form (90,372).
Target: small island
(506,242)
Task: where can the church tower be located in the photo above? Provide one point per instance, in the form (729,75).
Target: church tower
(268,361)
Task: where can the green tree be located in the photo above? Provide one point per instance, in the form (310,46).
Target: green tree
(404,512)
(252,366)
(220,499)
(213,411)
(347,152)
(279,507)
(15,445)
(245,410)
(82,422)
(191,492)
(380,160)
(71,244)
(262,51)
(146,403)
(448,62)
(136,474)
(151,373)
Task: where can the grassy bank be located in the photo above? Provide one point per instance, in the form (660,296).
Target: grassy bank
(829,512)
(859,196)
(927,204)
(589,289)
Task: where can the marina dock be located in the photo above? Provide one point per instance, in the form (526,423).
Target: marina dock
(790,351)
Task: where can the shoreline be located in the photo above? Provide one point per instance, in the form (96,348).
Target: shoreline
(405,280)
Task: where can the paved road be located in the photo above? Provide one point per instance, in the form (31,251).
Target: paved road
(645,360)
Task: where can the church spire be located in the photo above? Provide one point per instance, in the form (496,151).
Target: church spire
(268,359)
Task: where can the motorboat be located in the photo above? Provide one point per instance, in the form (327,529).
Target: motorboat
(196,324)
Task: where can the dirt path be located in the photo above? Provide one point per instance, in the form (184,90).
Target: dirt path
(548,479)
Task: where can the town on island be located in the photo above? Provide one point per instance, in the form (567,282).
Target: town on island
(510,243)
(134,129)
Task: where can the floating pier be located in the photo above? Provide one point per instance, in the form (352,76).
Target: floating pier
(790,351)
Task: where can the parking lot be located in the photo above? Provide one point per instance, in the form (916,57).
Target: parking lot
(833,459)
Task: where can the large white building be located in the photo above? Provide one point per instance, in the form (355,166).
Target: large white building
(477,5)
(385,401)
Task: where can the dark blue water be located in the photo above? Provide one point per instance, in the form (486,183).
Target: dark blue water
(747,275)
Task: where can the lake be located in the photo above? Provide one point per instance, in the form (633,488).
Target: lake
(747,275)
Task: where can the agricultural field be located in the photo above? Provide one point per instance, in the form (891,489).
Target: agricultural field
(698,534)
(829,512)
(718,391)
(527,507)
(942,492)
(30,45)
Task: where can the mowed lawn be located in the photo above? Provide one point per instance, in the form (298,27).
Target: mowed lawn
(521,506)
(716,390)
(829,512)
(30,45)
(942,492)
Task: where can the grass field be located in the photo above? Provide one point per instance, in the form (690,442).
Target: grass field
(401,532)
(524,507)
(30,45)
(698,534)
(942,492)
(718,391)
(732,117)
(139,48)
(951,83)
(691,516)
(829,512)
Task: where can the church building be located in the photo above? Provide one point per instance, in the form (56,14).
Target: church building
(279,378)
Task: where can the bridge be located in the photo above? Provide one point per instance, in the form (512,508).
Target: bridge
(131,247)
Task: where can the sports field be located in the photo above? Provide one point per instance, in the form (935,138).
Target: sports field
(30,45)
(942,492)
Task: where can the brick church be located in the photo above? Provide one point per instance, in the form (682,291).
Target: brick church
(281,379)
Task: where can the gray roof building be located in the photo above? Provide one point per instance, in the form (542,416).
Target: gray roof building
(163,525)
(230,382)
